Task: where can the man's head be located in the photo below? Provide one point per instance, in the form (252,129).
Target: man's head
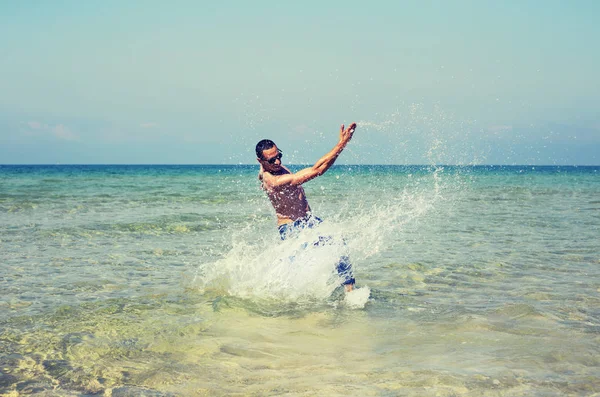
(268,155)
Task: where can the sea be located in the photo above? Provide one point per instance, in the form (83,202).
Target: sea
(172,280)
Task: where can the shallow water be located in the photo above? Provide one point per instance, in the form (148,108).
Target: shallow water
(172,280)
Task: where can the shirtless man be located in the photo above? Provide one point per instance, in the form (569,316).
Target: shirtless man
(285,192)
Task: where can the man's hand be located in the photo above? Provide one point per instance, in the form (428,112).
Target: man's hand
(346,134)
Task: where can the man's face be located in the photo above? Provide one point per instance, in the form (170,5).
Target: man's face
(271,159)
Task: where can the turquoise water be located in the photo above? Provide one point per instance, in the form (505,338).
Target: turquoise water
(172,280)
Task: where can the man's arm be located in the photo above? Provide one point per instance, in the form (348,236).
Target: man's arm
(318,168)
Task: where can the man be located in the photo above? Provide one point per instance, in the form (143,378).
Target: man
(285,192)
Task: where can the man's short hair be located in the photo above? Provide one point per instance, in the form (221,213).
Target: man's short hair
(265,144)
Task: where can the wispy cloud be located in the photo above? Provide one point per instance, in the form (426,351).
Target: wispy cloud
(36,125)
(60,131)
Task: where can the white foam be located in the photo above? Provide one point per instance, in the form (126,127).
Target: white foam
(357,298)
(291,270)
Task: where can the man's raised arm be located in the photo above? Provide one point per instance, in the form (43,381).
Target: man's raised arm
(319,167)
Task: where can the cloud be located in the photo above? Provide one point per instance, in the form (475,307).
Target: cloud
(60,131)
(149,125)
(36,125)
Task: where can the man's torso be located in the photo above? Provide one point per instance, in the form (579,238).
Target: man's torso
(289,202)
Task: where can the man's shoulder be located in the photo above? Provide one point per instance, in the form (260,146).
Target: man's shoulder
(274,181)
(267,179)
(283,172)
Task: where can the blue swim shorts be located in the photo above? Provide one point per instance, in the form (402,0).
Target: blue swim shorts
(287,230)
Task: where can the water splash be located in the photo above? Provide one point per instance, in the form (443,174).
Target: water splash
(294,270)
(259,266)
(357,298)
(423,134)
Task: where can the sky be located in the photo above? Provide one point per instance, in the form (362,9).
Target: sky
(194,82)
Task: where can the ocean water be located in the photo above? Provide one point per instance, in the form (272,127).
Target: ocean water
(172,280)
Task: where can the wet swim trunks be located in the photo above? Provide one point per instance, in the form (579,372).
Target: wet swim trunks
(287,230)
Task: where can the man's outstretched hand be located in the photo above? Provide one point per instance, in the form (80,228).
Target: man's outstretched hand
(346,134)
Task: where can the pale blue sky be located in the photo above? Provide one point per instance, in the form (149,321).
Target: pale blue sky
(512,82)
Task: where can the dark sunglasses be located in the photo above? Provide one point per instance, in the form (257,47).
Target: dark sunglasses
(274,159)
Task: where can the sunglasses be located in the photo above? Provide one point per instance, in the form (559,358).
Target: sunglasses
(274,159)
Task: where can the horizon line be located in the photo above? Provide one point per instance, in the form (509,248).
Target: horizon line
(305,164)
